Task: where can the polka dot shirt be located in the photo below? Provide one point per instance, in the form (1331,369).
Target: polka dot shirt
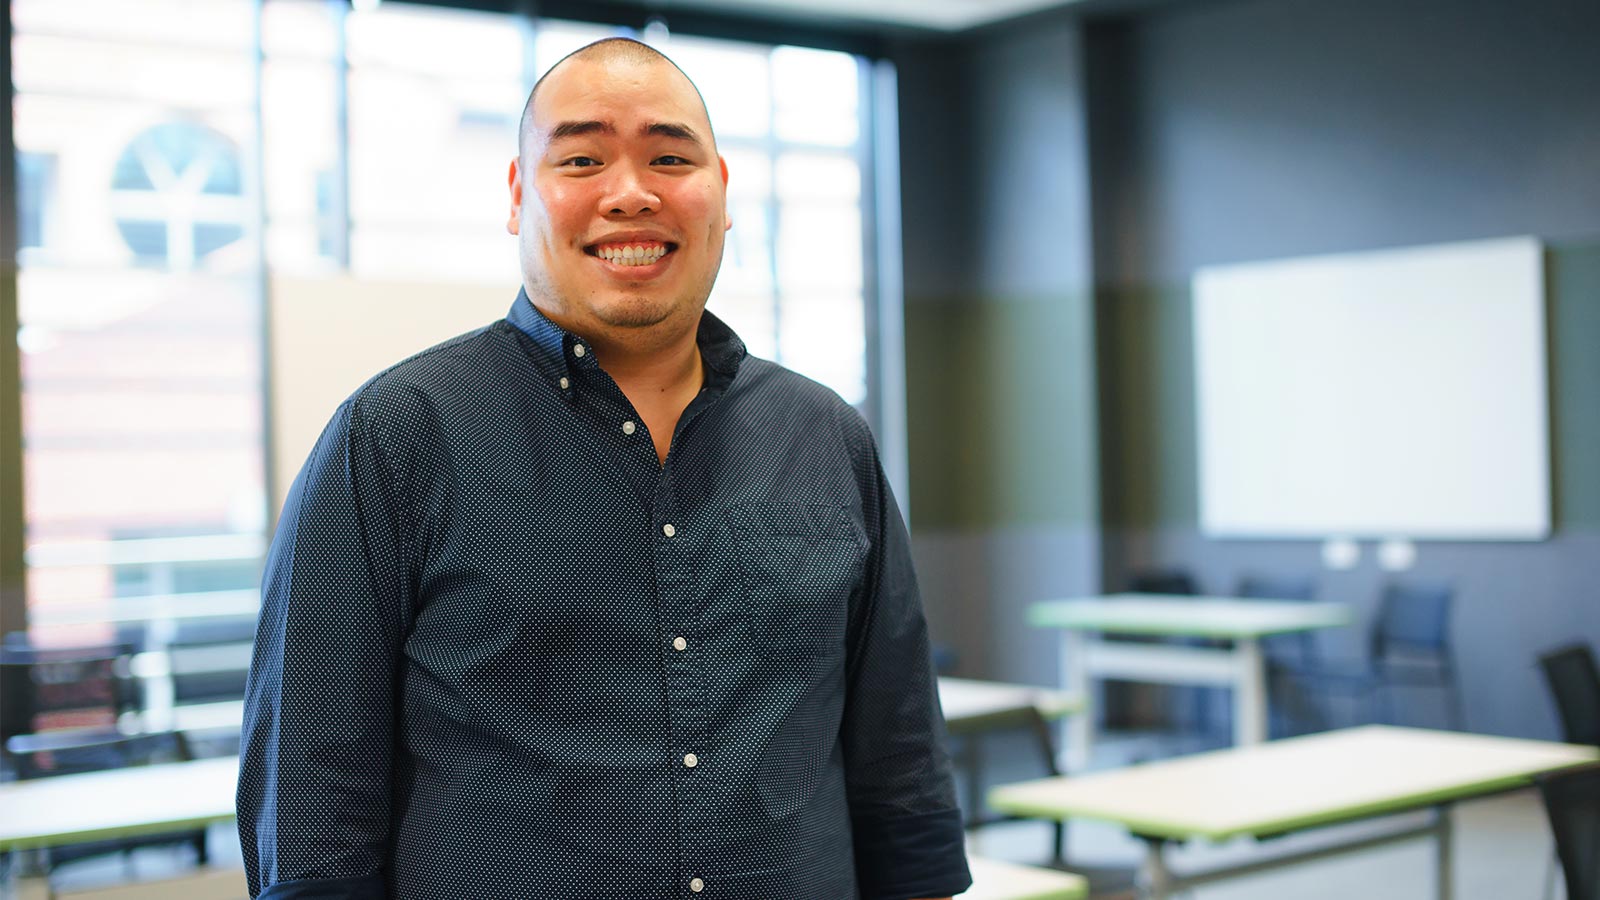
(504,652)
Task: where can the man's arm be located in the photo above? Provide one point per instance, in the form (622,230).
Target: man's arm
(314,783)
(905,820)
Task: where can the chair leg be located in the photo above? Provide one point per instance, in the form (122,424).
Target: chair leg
(1047,750)
(1458,710)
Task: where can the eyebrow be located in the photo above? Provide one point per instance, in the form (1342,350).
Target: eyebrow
(675,130)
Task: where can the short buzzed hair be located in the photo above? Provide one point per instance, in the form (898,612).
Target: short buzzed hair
(624,49)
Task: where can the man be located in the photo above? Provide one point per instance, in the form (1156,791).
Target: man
(588,604)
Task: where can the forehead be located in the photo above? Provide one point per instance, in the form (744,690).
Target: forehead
(617,90)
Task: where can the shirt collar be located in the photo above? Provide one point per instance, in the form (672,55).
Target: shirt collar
(556,350)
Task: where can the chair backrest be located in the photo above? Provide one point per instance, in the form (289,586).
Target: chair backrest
(1256,586)
(1413,618)
(1283,650)
(1574,683)
(1164,581)
(1572,800)
(72,753)
(207,658)
(210,658)
(64,687)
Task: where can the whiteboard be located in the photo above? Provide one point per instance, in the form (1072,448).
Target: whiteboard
(1399,393)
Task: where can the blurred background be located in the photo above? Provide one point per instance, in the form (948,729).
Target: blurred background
(978,223)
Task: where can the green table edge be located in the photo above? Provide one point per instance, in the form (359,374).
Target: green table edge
(1047,615)
(62,838)
(997,798)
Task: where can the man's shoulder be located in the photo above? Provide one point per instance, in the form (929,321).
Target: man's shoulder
(768,379)
(803,400)
(452,370)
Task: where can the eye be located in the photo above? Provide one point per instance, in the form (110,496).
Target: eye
(580,162)
(670,160)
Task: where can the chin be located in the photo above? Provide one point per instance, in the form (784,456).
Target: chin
(635,312)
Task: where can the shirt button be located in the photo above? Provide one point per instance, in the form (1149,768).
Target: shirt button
(565,384)
(578,350)
(668,530)
(696,885)
(690,760)
(627,427)
(679,643)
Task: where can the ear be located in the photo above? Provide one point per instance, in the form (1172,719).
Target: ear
(727,218)
(514,223)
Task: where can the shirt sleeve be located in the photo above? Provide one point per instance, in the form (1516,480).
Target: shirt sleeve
(905,820)
(317,748)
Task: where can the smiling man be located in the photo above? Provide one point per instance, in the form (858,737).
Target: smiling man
(589,603)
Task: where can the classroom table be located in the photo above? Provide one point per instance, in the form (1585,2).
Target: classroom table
(973,706)
(139,800)
(1242,623)
(996,880)
(1292,785)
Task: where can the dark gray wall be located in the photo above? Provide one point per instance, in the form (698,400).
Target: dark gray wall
(1275,128)
(1048,429)
(999,336)
(1271,128)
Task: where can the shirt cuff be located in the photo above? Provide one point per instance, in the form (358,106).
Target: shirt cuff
(912,856)
(361,887)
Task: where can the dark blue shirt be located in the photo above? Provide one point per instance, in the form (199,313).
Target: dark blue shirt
(505,652)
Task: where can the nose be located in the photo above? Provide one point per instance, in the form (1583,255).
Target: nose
(628,194)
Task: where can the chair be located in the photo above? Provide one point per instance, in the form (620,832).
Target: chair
(1572,801)
(1570,673)
(207,662)
(1574,683)
(1164,581)
(49,688)
(1408,646)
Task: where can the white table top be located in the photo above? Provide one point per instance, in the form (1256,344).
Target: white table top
(970,704)
(1165,614)
(119,803)
(996,880)
(1295,783)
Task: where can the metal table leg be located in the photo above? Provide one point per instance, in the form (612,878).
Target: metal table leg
(1444,843)
(1249,693)
(1074,665)
(1155,879)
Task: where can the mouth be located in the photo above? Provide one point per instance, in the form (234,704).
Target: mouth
(631,254)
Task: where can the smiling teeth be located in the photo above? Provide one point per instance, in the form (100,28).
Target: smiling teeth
(632,254)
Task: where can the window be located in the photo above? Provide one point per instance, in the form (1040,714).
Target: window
(384,143)
(140,335)
(35,177)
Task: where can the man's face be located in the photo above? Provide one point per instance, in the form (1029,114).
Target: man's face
(623,225)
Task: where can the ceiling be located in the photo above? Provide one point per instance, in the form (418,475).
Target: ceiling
(942,15)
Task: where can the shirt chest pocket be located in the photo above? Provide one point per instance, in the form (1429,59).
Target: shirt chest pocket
(800,564)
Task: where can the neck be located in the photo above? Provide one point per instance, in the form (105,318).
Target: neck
(659,368)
